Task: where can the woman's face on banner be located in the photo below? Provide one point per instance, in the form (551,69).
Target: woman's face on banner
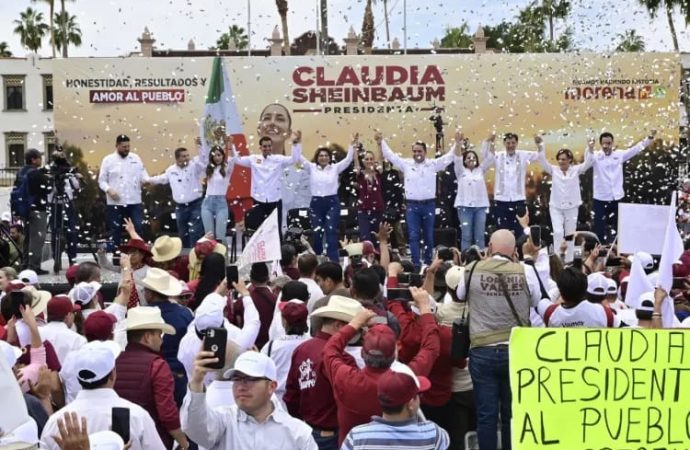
(275,123)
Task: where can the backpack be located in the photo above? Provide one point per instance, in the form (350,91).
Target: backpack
(20,198)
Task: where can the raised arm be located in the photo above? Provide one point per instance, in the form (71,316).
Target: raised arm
(244,161)
(637,148)
(296,156)
(389,155)
(587,163)
(443,162)
(541,155)
(490,158)
(534,156)
(345,163)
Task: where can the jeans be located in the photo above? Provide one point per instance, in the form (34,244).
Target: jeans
(214,215)
(36,237)
(420,218)
(325,214)
(472,226)
(491,381)
(325,442)
(368,222)
(506,213)
(188,218)
(63,227)
(116,214)
(605,220)
(564,223)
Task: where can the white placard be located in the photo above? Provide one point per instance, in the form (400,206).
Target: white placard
(641,228)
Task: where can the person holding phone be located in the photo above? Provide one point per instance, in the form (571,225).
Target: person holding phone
(565,199)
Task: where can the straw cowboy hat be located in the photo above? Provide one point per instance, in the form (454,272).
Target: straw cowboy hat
(166,248)
(39,299)
(147,318)
(161,281)
(339,308)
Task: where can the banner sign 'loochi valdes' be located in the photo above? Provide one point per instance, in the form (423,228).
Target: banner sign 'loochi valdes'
(600,389)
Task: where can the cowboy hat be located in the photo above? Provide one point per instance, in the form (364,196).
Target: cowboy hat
(202,244)
(39,299)
(147,318)
(135,244)
(339,308)
(166,248)
(161,281)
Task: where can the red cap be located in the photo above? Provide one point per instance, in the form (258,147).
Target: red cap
(71,274)
(98,326)
(294,312)
(204,247)
(379,341)
(136,244)
(59,306)
(399,385)
(368,248)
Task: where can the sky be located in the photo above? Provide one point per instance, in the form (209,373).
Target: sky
(111,28)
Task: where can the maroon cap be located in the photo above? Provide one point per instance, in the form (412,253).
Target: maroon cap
(204,247)
(294,312)
(59,306)
(368,248)
(399,385)
(98,326)
(71,274)
(379,341)
(136,244)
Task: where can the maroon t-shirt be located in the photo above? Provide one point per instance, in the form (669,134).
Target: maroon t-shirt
(370,193)
(265,303)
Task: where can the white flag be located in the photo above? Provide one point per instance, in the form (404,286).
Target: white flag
(673,248)
(638,284)
(264,245)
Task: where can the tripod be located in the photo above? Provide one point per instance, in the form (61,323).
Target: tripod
(61,210)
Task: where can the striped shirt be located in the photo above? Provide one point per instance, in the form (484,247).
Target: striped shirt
(381,434)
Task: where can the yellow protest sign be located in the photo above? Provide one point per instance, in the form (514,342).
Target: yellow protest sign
(600,389)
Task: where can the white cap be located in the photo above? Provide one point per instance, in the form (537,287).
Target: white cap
(254,364)
(453,276)
(612,287)
(597,284)
(646,301)
(84,292)
(10,353)
(95,360)
(28,277)
(646,260)
(6,216)
(106,440)
(210,313)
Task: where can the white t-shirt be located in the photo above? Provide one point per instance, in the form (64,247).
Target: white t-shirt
(584,314)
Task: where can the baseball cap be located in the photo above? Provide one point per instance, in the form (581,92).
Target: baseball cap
(646,301)
(597,284)
(210,313)
(6,216)
(59,306)
(71,273)
(379,340)
(453,276)
(254,364)
(84,292)
(294,312)
(646,260)
(368,248)
(612,287)
(28,277)
(106,440)
(98,326)
(399,385)
(95,360)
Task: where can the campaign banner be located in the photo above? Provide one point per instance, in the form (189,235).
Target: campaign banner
(596,389)
(264,245)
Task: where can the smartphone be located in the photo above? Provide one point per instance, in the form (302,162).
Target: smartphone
(18,300)
(535,235)
(215,341)
(120,423)
(399,294)
(577,256)
(232,275)
(445,254)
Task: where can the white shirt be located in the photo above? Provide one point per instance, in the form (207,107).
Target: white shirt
(315,292)
(281,354)
(96,407)
(471,184)
(608,171)
(324,180)
(420,178)
(229,428)
(267,174)
(185,182)
(565,187)
(124,175)
(63,339)
(584,314)
(511,170)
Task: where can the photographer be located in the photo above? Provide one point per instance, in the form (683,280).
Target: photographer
(63,215)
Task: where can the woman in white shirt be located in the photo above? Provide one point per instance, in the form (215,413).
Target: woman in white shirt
(472,199)
(325,205)
(214,208)
(565,198)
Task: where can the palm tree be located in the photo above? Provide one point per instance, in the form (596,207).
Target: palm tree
(554,9)
(67,32)
(368,27)
(385,17)
(282,6)
(64,32)
(5,50)
(630,41)
(457,37)
(653,7)
(31,29)
(236,35)
(51,6)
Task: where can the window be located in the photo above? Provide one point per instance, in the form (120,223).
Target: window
(50,143)
(47,92)
(15,144)
(14,92)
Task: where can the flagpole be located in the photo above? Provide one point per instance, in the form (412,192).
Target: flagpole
(318,34)
(249,29)
(405,27)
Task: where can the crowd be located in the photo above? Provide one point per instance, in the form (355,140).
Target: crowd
(340,344)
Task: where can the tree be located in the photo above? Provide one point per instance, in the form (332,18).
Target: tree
(457,37)
(653,7)
(368,27)
(282,6)
(51,6)
(5,50)
(236,35)
(31,29)
(67,32)
(63,31)
(554,9)
(630,41)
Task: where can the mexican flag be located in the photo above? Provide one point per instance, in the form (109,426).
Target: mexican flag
(220,110)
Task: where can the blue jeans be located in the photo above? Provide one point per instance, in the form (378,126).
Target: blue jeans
(368,222)
(472,226)
(214,215)
(420,218)
(605,220)
(116,214)
(506,213)
(325,214)
(491,381)
(188,218)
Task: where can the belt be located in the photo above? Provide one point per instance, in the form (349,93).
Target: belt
(190,203)
(324,433)
(420,202)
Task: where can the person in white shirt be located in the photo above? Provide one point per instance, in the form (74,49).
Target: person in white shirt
(509,183)
(307,264)
(58,330)
(324,209)
(214,209)
(565,199)
(121,176)
(254,422)
(472,199)
(608,183)
(184,178)
(267,174)
(95,369)
(420,194)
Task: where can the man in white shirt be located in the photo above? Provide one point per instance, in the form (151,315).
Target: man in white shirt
(121,176)
(420,194)
(307,264)
(254,422)
(184,178)
(58,330)
(509,183)
(608,183)
(95,366)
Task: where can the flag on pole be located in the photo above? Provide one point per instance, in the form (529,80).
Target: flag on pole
(264,245)
(638,284)
(220,110)
(672,249)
